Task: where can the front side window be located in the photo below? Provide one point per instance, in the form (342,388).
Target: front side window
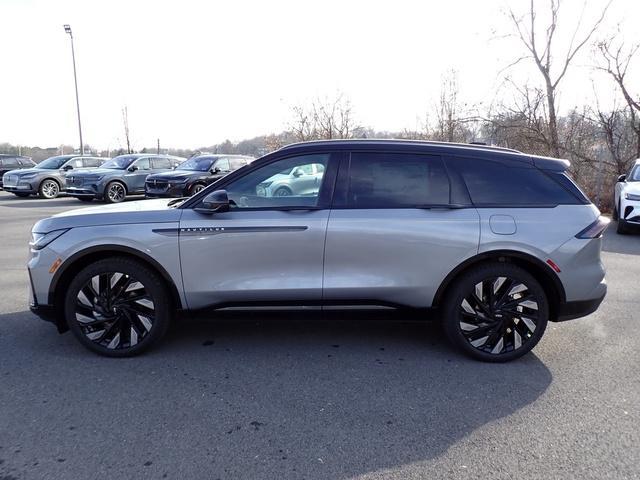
(10,163)
(492,183)
(161,163)
(222,165)
(396,180)
(143,164)
(280,184)
(634,176)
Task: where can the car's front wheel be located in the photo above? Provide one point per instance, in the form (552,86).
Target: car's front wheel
(115,192)
(117,307)
(495,312)
(49,189)
(197,188)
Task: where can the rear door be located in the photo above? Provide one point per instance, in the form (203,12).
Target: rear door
(398,226)
(266,249)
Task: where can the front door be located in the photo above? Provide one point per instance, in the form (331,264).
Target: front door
(267,249)
(135,180)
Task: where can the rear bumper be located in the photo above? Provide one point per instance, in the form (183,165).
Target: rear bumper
(581,308)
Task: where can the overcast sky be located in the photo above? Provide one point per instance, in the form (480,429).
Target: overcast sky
(196,73)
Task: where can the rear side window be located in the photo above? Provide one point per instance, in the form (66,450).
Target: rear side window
(92,162)
(222,165)
(498,184)
(10,163)
(396,180)
(238,162)
(161,163)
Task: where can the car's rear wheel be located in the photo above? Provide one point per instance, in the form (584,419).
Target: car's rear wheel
(117,307)
(49,189)
(115,192)
(21,194)
(495,312)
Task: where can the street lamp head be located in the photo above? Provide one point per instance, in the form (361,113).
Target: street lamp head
(67,29)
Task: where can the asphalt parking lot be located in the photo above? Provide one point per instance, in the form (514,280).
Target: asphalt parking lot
(300,396)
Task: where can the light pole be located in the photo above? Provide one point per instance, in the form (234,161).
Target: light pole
(67,29)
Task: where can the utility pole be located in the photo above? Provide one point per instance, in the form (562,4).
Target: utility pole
(67,29)
(158,146)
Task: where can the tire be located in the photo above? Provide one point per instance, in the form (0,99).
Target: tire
(196,188)
(48,189)
(120,323)
(21,194)
(492,334)
(115,192)
(282,192)
(85,199)
(621,227)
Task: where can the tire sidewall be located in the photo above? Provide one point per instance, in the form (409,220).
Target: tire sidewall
(153,284)
(107,199)
(41,189)
(462,287)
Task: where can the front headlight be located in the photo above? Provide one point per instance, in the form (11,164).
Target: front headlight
(632,196)
(27,176)
(41,240)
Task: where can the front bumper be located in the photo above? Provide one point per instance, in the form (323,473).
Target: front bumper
(48,313)
(171,191)
(20,188)
(83,192)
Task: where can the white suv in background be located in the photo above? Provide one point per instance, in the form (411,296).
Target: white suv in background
(626,201)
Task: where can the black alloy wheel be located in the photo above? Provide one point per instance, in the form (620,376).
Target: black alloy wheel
(496,313)
(117,307)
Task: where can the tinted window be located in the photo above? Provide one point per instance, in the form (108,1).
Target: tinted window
(395,180)
(222,165)
(497,183)
(161,163)
(274,186)
(10,163)
(92,162)
(143,164)
(26,162)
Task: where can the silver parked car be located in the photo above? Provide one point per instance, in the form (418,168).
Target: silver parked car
(300,180)
(47,178)
(496,242)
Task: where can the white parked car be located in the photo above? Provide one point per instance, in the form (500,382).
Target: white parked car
(627,199)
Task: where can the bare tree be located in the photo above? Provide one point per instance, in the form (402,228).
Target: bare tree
(615,62)
(125,121)
(542,50)
(324,119)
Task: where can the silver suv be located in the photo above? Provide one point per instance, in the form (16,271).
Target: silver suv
(497,242)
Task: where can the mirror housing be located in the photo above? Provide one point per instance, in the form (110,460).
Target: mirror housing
(215,202)
(215,170)
(297,172)
(132,168)
(66,168)
(622,178)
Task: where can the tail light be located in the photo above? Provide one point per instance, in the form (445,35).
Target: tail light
(596,229)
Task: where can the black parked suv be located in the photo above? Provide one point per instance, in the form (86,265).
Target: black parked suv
(193,175)
(13,162)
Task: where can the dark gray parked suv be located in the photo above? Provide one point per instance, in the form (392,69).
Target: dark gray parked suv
(47,179)
(121,176)
(13,162)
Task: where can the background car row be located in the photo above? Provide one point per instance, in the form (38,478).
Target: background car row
(113,179)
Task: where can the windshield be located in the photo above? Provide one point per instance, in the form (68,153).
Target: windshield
(635,174)
(53,163)
(119,163)
(197,164)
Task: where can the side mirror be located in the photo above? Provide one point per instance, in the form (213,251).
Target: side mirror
(622,178)
(215,202)
(215,170)
(297,172)
(67,168)
(132,168)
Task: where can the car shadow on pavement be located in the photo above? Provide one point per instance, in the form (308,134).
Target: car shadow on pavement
(256,395)
(628,244)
